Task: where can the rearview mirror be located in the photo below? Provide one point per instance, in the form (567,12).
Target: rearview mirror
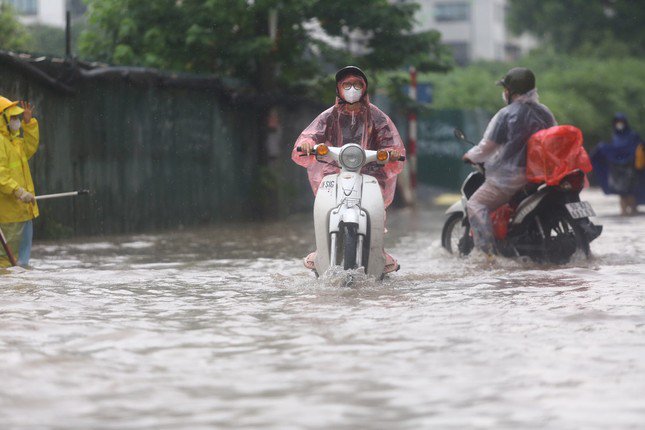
(459,134)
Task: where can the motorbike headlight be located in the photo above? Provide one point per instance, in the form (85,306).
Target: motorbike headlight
(352,157)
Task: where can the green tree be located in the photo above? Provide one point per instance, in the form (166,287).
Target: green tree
(76,7)
(601,27)
(584,92)
(49,40)
(13,35)
(231,37)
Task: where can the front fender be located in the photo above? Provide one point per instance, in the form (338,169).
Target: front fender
(347,215)
(456,207)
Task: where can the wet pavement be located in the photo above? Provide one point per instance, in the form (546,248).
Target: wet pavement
(222,327)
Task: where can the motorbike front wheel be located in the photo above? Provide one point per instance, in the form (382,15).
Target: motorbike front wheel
(350,241)
(455,236)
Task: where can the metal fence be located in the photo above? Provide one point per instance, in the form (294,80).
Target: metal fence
(439,152)
(157,150)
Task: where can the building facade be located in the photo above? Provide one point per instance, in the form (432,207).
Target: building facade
(44,12)
(474,29)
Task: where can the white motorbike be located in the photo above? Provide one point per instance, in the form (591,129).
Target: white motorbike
(349,213)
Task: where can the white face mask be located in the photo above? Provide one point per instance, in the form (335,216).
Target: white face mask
(14,124)
(353,95)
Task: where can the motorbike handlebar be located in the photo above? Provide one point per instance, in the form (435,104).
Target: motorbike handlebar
(299,149)
(479,166)
(473,163)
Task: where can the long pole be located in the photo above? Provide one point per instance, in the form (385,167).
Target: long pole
(7,249)
(58,195)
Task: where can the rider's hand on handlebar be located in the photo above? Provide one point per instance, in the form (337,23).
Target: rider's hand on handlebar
(394,156)
(307,147)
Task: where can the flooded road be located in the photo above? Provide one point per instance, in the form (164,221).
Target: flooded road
(224,328)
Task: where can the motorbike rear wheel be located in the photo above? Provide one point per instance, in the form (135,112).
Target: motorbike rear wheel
(350,240)
(455,236)
(563,237)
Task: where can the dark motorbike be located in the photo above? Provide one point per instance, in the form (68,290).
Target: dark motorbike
(545,223)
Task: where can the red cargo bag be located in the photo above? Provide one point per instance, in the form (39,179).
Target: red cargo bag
(555,152)
(500,219)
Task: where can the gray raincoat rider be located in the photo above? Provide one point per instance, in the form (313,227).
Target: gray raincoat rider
(502,150)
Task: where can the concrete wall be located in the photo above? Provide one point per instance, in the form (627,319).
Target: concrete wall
(50,12)
(484,32)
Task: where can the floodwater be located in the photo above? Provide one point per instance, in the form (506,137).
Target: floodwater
(223,328)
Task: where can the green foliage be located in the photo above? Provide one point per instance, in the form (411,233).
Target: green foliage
(585,92)
(51,40)
(599,27)
(469,88)
(14,35)
(46,40)
(76,7)
(231,37)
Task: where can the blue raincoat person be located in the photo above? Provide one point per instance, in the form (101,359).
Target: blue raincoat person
(613,165)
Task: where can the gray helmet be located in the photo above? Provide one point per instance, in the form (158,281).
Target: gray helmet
(518,80)
(350,70)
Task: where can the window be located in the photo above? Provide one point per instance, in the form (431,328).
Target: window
(461,52)
(25,7)
(446,12)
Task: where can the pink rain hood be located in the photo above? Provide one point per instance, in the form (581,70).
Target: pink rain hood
(368,126)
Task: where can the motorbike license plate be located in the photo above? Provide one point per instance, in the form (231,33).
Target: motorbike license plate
(580,210)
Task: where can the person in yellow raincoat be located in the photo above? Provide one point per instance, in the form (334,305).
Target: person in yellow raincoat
(19,141)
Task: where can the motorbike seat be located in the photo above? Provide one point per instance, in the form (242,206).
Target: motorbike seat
(527,190)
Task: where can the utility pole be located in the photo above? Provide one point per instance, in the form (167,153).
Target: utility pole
(68,35)
(407,180)
(413,129)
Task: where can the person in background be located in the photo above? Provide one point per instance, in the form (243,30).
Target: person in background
(352,119)
(614,164)
(19,139)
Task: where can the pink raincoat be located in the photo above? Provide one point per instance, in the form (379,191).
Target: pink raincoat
(368,127)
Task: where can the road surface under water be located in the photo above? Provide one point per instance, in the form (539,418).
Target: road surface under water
(224,328)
